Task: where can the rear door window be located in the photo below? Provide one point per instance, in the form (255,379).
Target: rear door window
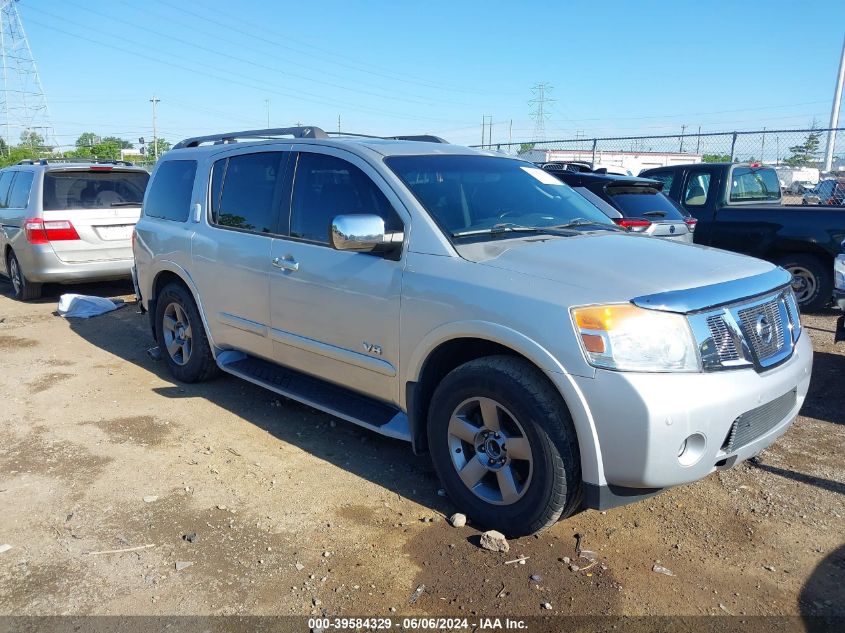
(171,190)
(666,177)
(643,202)
(754,185)
(19,193)
(5,182)
(97,188)
(248,191)
(697,189)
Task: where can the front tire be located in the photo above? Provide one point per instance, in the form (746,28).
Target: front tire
(504,446)
(812,280)
(22,288)
(180,335)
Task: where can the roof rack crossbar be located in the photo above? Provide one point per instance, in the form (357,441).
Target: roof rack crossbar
(98,161)
(268,134)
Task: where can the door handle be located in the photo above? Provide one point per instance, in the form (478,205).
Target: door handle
(286,263)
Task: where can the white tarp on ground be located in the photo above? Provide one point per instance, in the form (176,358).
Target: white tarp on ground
(84,306)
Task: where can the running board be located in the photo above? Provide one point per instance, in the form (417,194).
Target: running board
(325,396)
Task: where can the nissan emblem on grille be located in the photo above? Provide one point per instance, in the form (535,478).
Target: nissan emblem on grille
(764,329)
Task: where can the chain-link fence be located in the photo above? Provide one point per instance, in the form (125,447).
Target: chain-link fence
(797,155)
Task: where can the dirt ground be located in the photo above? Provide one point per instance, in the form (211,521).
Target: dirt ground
(295,512)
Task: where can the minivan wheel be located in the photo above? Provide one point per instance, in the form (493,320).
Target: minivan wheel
(812,281)
(181,336)
(22,288)
(504,446)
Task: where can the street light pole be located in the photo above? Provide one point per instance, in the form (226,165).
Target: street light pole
(154,101)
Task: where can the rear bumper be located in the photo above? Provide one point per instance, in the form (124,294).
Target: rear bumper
(40,264)
(839,281)
(641,421)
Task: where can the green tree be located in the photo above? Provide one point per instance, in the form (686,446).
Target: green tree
(716,158)
(805,153)
(87,140)
(32,139)
(526,147)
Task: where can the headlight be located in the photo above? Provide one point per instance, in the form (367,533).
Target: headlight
(627,338)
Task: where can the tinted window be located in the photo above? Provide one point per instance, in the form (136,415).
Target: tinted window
(327,187)
(19,194)
(84,189)
(247,190)
(476,193)
(5,181)
(697,189)
(666,177)
(643,202)
(170,191)
(754,185)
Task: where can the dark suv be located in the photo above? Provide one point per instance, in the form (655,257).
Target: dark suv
(637,204)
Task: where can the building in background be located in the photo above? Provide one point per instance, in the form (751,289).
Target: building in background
(630,161)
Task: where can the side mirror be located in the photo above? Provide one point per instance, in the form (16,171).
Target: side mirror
(363,233)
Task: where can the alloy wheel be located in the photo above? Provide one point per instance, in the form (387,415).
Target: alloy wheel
(15,274)
(177,334)
(490,451)
(804,283)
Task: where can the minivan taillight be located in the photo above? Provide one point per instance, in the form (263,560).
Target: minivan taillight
(691,223)
(637,225)
(40,231)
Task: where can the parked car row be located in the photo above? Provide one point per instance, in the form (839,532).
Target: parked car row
(830,192)
(472,304)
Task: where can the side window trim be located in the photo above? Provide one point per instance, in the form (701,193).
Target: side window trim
(277,193)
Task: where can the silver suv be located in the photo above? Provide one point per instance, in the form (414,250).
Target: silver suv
(67,222)
(473,305)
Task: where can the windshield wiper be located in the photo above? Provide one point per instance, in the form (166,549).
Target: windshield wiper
(503,227)
(585,222)
(125,204)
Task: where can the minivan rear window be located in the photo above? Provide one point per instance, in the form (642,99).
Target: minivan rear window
(643,202)
(93,189)
(754,185)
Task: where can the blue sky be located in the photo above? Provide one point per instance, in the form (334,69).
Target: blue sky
(435,66)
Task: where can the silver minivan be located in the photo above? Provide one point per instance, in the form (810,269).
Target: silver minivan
(66,222)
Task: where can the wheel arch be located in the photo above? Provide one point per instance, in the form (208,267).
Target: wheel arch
(453,345)
(170,272)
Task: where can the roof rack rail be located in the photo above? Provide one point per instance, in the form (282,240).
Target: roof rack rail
(98,161)
(424,138)
(268,134)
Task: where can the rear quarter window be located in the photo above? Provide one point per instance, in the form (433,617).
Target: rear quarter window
(19,194)
(754,185)
(5,182)
(169,197)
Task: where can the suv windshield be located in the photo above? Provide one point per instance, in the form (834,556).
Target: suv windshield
(749,184)
(476,193)
(638,202)
(77,189)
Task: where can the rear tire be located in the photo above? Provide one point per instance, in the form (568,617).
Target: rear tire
(22,288)
(180,335)
(497,424)
(812,280)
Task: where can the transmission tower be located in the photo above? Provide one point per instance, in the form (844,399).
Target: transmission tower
(24,104)
(539,109)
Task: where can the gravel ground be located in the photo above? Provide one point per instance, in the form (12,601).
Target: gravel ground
(231,501)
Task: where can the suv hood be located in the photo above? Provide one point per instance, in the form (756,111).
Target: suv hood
(627,265)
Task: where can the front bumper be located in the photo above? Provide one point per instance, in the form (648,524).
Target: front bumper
(40,264)
(641,421)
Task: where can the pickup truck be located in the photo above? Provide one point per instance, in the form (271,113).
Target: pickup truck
(739,208)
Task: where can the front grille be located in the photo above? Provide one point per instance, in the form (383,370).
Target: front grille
(722,339)
(757,422)
(750,318)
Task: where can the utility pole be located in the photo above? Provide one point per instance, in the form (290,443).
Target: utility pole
(683,129)
(338,124)
(483,124)
(834,112)
(777,150)
(155,101)
(698,141)
(763,145)
(267,107)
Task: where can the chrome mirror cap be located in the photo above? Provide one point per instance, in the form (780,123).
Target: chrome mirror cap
(359,232)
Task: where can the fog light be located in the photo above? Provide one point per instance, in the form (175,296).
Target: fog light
(692,449)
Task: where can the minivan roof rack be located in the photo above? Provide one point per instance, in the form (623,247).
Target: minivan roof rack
(47,161)
(310,131)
